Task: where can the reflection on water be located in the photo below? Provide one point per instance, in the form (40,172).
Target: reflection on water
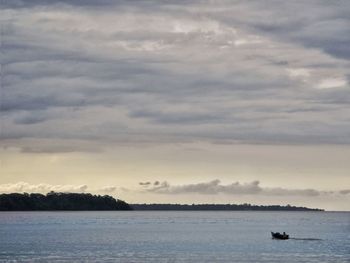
(173,237)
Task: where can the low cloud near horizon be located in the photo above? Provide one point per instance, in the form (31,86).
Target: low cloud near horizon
(21,187)
(216,187)
(24,187)
(213,187)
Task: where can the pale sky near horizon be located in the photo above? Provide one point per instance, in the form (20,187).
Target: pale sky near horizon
(178,101)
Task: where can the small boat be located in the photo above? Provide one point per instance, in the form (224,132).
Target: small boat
(277,235)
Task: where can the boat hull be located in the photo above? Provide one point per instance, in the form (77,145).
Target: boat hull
(279,236)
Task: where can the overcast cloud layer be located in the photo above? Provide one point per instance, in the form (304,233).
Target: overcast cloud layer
(82,75)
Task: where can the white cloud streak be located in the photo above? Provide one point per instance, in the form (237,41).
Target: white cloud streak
(21,187)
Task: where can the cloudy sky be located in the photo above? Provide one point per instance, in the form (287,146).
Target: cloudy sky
(178,101)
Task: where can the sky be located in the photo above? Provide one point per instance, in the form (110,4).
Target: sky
(178,101)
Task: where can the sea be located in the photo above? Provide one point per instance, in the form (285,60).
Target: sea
(176,236)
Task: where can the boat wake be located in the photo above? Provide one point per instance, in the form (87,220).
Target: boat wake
(307,239)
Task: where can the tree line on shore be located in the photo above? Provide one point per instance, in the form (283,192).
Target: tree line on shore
(60,201)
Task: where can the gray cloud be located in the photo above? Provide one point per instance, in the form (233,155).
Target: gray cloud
(92,3)
(145,183)
(112,72)
(30,119)
(237,188)
(345,192)
(326,27)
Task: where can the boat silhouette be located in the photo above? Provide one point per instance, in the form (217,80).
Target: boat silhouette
(277,235)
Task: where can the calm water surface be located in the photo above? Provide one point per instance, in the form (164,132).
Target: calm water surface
(173,237)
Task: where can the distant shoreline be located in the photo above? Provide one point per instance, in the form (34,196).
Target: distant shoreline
(220,207)
(87,202)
